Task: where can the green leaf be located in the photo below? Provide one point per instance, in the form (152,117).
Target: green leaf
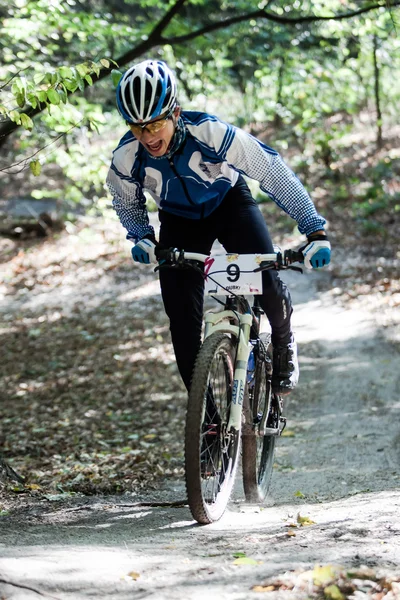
(332,592)
(35,167)
(239,554)
(15,116)
(324,574)
(51,78)
(105,63)
(20,98)
(245,560)
(32,100)
(66,72)
(96,68)
(89,79)
(16,87)
(26,121)
(38,78)
(53,96)
(42,96)
(63,95)
(71,85)
(116,76)
(304,521)
(82,69)
(94,126)
(80,82)
(299,494)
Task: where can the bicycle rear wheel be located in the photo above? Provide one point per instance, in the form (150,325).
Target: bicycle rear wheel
(211,452)
(258,451)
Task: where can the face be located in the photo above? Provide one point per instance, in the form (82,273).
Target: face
(157,143)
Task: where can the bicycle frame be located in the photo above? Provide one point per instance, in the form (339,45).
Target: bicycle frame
(222,322)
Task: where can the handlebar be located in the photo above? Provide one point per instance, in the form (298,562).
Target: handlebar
(174,256)
(275,260)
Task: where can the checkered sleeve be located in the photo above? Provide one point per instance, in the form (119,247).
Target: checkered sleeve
(254,159)
(129,202)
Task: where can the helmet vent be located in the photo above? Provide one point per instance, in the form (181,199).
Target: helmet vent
(146,91)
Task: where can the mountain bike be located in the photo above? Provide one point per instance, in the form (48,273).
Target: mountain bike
(231,398)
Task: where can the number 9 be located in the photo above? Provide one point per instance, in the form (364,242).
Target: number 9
(233,272)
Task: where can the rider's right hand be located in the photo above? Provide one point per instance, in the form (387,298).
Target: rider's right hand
(145,251)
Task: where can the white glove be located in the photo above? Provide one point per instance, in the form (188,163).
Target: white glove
(317,253)
(144,252)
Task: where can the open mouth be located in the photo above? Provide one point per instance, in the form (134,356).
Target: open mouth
(155,146)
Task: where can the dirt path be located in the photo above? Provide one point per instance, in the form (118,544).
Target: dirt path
(334,501)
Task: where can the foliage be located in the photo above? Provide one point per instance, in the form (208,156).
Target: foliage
(297,68)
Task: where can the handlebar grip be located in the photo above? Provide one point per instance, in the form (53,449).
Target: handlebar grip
(292,256)
(166,254)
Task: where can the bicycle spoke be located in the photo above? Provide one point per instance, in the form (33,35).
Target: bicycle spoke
(259,450)
(209,488)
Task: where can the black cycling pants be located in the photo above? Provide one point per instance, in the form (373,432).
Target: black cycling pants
(240,227)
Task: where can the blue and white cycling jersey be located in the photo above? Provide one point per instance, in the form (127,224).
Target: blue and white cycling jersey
(194,181)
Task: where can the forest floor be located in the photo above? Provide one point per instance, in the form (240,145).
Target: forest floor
(89,384)
(92,411)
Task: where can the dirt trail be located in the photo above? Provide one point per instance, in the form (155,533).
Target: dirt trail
(339,465)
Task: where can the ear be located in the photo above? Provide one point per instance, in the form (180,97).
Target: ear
(177,111)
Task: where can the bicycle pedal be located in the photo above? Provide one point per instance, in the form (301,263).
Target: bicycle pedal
(282,420)
(270,431)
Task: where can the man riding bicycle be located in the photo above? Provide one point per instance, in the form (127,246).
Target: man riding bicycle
(192,164)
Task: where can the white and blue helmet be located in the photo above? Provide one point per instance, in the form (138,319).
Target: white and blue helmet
(146,91)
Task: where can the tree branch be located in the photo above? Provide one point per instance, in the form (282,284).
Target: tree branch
(25,160)
(155,39)
(165,21)
(263,14)
(11,78)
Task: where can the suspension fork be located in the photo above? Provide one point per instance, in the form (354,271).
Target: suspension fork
(239,379)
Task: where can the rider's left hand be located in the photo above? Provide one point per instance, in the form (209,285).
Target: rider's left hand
(317,253)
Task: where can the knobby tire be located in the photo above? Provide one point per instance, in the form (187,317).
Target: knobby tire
(258,452)
(211,452)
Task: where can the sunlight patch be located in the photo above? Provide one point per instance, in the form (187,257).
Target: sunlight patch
(148,289)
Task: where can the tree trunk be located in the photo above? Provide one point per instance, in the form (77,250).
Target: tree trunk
(281,71)
(379,139)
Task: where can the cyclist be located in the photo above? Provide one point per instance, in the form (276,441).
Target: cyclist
(192,164)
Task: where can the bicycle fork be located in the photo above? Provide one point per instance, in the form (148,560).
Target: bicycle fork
(241,331)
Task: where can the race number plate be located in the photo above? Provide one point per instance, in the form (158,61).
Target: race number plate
(232,273)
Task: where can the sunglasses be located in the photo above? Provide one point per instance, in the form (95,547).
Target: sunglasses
(152,127)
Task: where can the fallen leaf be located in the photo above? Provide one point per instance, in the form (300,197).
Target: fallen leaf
(133,575)
(291,533)
(323,575)
(263,588)
(288,433)
(299,494)
(33,486)
(333,593)
(304,521)
(245,560)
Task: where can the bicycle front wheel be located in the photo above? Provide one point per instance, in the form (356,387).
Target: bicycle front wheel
(211,451)
(259,451)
